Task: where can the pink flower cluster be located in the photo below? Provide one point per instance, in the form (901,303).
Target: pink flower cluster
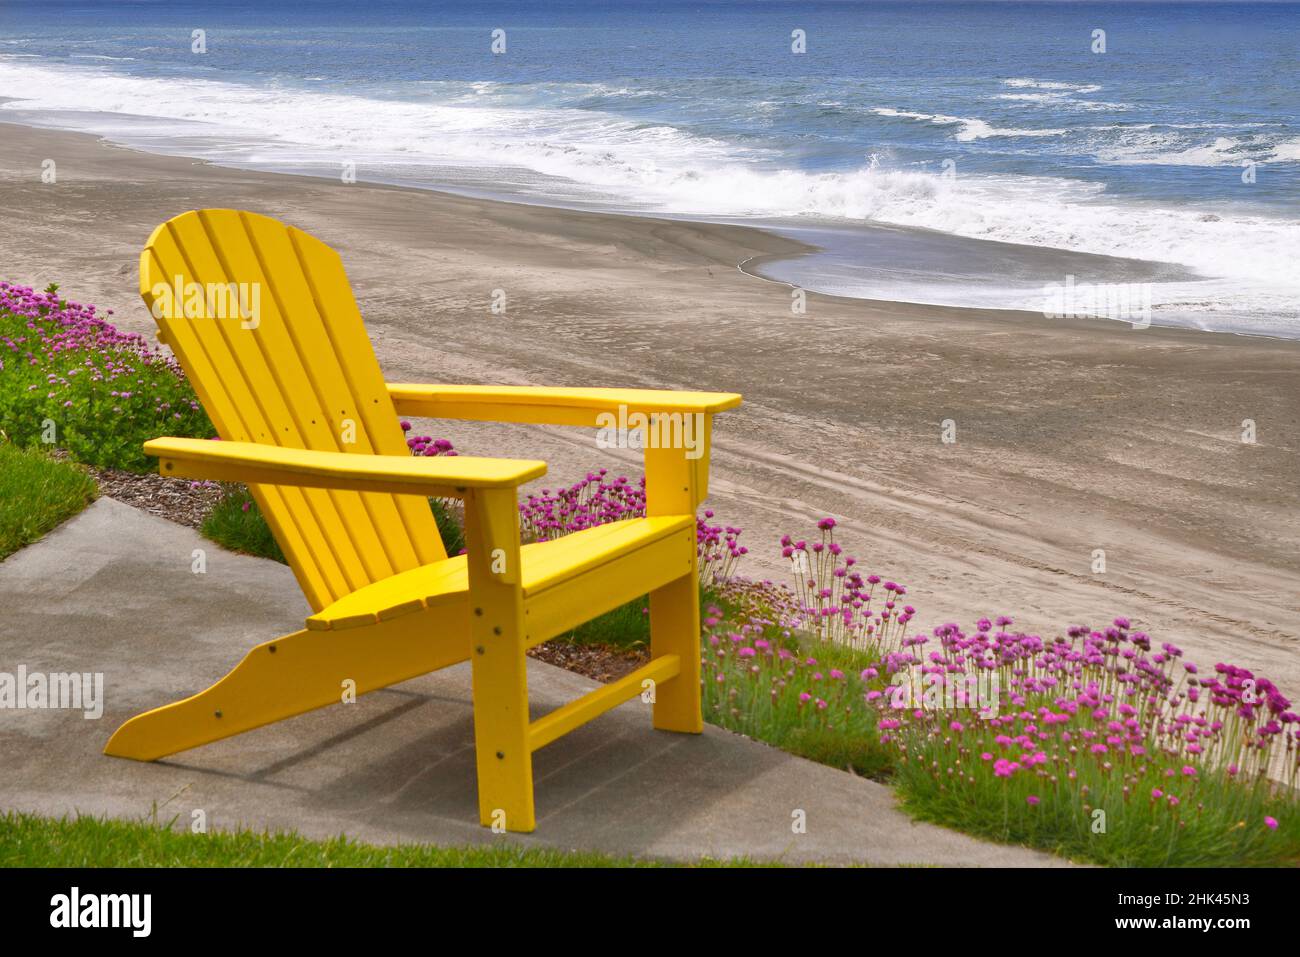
(54,327)
(60,324)
(426,445)
(719,549)
(595,500)
(1106,696)
(750,678)
(106,391)
(598,499)
(835,599)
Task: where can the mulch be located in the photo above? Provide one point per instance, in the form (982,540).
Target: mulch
(597,662)
(177,500)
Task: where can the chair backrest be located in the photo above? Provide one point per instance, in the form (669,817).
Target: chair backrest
(262,319)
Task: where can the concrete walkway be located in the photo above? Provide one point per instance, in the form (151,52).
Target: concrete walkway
(112,591)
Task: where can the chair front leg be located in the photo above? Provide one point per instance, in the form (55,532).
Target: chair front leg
(504,758)
(675,485)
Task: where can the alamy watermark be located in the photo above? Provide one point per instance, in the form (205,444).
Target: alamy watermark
(944,692)
(1126,301)
(75,909)
(213,300)
(38,691)
(654,430)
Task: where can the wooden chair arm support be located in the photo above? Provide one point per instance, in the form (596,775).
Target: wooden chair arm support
(251,462)
(677,478)
(546,405)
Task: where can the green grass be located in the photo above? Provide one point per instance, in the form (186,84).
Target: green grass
(449,525)
(237,524)
(37,493)
(29,840)
(626,628)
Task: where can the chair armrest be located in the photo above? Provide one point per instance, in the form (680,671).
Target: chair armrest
(677,478)
(451,476)
(548,405)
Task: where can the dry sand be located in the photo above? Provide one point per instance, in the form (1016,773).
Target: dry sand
(1071,435)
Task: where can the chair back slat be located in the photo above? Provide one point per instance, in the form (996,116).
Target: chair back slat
(263,320)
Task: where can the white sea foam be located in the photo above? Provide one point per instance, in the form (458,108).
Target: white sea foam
(1051,99)
(578,154)
(1058,95)
(968,129)
(1052,85)
(1287,151)
(1155,149)
(1063,101)
(1149,145)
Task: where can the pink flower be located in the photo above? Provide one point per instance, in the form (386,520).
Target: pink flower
(1031,800)
(1270,823)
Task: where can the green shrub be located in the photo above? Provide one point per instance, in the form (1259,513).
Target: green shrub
(71,378)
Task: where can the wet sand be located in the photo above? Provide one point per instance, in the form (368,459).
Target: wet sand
(1071,435)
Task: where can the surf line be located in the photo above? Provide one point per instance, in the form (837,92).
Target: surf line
(740,267)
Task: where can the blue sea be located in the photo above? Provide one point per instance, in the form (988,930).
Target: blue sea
(959,153)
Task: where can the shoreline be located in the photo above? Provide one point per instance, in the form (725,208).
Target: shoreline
(1107,267)
(1072,434)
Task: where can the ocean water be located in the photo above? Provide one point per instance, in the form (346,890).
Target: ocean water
(962,153)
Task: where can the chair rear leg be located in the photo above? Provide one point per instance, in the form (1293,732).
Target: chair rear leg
(675,630)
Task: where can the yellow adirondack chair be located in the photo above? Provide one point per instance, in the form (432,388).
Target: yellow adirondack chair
(307,421)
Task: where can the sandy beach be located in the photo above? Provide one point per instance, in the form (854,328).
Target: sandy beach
(1071,436)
